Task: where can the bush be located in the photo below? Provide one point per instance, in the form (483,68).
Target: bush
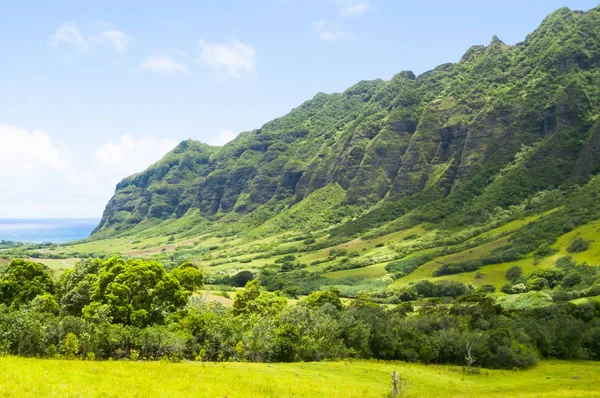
(458,268)
(537,284)
(241,278)
(578,245)
(513,273)
(524,301)
(486,289)
(544,250)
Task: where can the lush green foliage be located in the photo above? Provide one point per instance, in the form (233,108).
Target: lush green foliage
(464,144)
(135,309)
(23,281)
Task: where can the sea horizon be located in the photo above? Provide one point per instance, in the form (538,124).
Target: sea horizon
(46,230)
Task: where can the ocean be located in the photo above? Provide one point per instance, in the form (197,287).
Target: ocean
(46,230)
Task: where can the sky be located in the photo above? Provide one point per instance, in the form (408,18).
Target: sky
(92,92)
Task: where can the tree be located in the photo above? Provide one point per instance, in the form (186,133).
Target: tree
(250,300)
(320,298)
(24,281)
(578,245)
(241,278)
(469,358)
(513,273)
(136,292)
(75,286)
(71,346)
(189,276)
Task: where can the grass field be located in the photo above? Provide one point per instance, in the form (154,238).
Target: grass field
(54,378)
(57,264)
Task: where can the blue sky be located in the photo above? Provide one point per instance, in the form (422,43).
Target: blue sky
(94,91)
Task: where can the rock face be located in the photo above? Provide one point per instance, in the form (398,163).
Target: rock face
(493,129)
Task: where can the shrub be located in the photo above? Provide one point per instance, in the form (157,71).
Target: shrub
(544,250)
(71,346)
(487,289)
(458,268)
(519,288)
(537,284)
(578,245)
(524,301)
(408,265)
(285,259)
(241,278)
(513,273)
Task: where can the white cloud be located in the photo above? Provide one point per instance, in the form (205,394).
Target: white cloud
(68,33)
(163,64)
(39,179)
(235,58)
(352,8)
(115,38)
(222,138)
(328,31)
(130,155)
(28,153)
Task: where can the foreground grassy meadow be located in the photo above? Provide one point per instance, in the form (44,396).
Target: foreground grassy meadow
(59,378)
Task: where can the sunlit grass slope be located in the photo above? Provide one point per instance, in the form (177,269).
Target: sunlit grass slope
(37,378)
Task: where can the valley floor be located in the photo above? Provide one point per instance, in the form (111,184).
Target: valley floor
(60,378)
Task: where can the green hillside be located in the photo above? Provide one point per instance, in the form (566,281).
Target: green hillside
(428,222)
(456,175)
(453,146)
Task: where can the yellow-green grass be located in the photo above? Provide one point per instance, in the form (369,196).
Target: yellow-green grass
(494,274)
(216,296)
(57,264)
(56,378)
(425,271)
(513,225)
(585,300)
(364,247)
(590,232)
(372,271)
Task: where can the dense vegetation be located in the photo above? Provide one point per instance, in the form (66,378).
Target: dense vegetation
(454,175)
(454,146)
(422,219)
(135,309)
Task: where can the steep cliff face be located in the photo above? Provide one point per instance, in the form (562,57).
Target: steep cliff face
(500,125)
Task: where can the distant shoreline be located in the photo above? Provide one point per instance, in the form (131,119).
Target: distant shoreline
(46,230)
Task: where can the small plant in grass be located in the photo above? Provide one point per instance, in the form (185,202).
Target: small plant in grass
(470,360)
(134,355)
(71,346)
(399,384)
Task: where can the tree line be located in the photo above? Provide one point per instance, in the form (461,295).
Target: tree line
(136,310)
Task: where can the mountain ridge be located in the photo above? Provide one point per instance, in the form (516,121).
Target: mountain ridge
(502,124)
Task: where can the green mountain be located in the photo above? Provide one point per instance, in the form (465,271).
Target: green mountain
(490,131)
(491,160)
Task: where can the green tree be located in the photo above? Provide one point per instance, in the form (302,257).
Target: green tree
(136,292)
(513,273)
(189,276)
(71,346)
(24,281)
(75,286)
(250,300)
(329,296)
(578,245)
